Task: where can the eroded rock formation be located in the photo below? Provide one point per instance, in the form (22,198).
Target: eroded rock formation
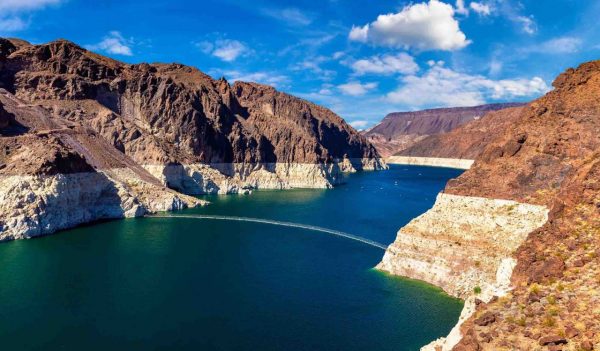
(112,139)
(547,159)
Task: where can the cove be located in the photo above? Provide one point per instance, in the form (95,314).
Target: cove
(174,283)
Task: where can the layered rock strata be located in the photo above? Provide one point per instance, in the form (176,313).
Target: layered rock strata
(431,161)
(547,158)
(146,134)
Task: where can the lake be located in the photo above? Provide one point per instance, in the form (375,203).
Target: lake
(203,284)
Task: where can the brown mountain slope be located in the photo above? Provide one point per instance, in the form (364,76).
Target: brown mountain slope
(175,113)
(84,137)
(400,130)
(466,141)
(56,174)
(550,156)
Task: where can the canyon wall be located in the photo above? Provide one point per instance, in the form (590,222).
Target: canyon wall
(84,137)
(518,234)
(401,130)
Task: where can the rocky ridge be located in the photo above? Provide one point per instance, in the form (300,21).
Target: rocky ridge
(399,131)
(548,158)
(79,130)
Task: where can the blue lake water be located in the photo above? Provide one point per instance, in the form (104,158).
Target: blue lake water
(190,284)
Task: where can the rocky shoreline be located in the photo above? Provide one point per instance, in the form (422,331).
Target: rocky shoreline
(431,161)
(464,245)
(84,137)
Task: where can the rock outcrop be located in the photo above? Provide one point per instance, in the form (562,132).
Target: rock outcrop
(58,178)
(84,134)
(548,158)
(399,131)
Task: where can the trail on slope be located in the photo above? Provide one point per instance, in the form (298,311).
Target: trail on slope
(280,223)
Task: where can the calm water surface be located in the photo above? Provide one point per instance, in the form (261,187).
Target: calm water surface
(186,284)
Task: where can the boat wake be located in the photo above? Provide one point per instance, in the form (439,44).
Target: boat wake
(280,223)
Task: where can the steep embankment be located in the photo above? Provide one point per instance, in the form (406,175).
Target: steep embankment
(56,175)
(493,218)
(401,130)
(195,133)
(86,137)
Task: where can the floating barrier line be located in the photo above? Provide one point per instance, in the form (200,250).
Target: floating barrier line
(280,223)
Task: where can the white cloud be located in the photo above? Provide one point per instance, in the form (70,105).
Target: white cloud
(11,12)
(386,64)
(225,49)
(313,64)
(480,8)
(527,22)
(356,88)
(441,86)
(25,5)
(291,16)
(269,78)
(113,43)
(460,7)
(12,24)
(359,124)
(423,26)
(561,45)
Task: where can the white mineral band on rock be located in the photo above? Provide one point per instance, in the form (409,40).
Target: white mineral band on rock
(464,244)
(459,163)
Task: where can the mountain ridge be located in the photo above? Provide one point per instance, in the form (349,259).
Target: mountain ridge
(150,134)
(400,130)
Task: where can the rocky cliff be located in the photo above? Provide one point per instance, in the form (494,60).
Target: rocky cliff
(152,130)
(399,131)
(546,163)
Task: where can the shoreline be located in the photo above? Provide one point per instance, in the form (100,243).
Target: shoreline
(457,163)
(463,245)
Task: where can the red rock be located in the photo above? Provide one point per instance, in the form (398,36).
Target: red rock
(552,339)
(486,319)
(401,132)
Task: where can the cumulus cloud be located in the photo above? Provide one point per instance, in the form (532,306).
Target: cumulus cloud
(355,88)
(113,43)
(480,8)
(291,16)
(225,49)
(386,64)
(441,86)
(423,26)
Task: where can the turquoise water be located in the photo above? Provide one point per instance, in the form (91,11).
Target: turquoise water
(188,284)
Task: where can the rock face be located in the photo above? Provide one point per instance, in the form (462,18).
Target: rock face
(89,135)
(462,242)
(548,158)
(401,130)
(58,178)
(468,140)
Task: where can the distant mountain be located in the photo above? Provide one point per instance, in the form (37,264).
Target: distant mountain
(400,130)
(467,141)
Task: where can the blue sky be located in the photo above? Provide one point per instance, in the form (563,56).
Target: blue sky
(363,59)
